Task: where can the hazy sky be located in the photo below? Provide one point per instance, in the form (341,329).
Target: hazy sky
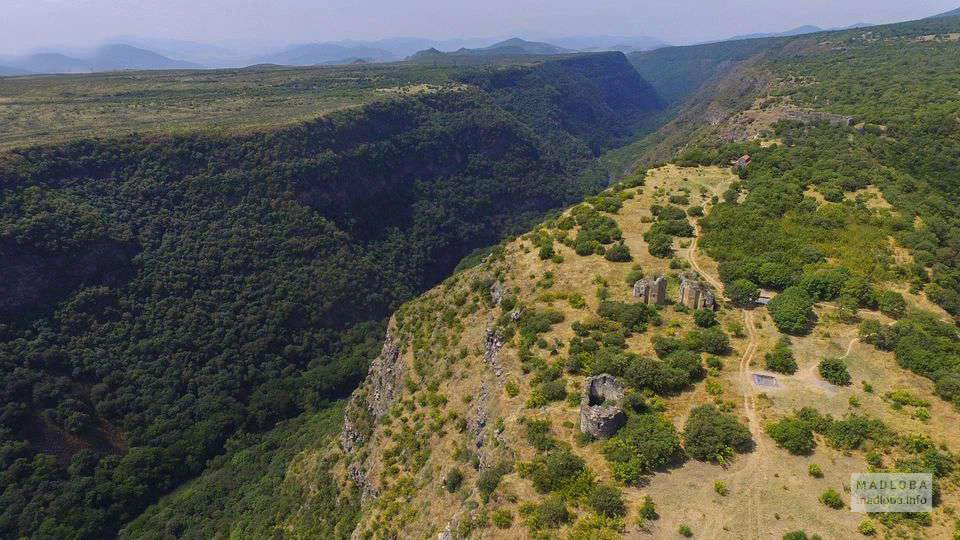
(28,24)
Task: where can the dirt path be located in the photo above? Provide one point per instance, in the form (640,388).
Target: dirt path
(757,458)
(753,466)
(692,258)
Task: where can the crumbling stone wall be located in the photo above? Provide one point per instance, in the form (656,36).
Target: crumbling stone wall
(600,412)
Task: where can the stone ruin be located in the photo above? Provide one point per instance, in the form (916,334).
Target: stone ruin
(695,294)
(651,290)
(600,412)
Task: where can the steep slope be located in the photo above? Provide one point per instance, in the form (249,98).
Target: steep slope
(469,422)
(248,276)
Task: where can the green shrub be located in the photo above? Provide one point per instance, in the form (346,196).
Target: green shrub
(814,470)
(867,528)
(551,513)
(538,434)
(831,498)
(648,510)
(892,304)
(618,253)
(546,251)
(685,531)
(607,501)
(793,434)
(704,318)
(712,340)
(781,358)
(554,470)
(712,435)
(576,301)
(720,487)
(453,480)
(834,371)
(633,317)
(634,275)
(489,479)
(502,519)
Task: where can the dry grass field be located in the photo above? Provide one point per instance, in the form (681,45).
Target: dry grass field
(55,108)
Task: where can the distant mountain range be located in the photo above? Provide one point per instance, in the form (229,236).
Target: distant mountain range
(133,53)
(510,47)
(7,71)
(798,31)
(107,58)
(327,53)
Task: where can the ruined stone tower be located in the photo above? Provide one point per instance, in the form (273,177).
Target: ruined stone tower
(651,291)
(695,294)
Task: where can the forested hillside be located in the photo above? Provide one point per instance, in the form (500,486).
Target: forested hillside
(802,222)
(167,294)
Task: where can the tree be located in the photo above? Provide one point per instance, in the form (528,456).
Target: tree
(892,304)
(742,292)
(834,371)
(546,250)
(710,435)
(618,253)
(775,275)
(551,513)
(646,443)
(660,245)
(793,434)
(827,284)
(714,340)
(607,501)
(781,359)
(792,311)
(704,318)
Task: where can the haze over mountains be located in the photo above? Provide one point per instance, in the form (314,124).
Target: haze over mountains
(798,31)
(138,53)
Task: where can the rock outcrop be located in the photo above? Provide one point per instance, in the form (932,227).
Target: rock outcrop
(491,351)
(378,395)
(600,412)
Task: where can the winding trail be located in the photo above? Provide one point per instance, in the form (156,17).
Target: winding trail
(754,468)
